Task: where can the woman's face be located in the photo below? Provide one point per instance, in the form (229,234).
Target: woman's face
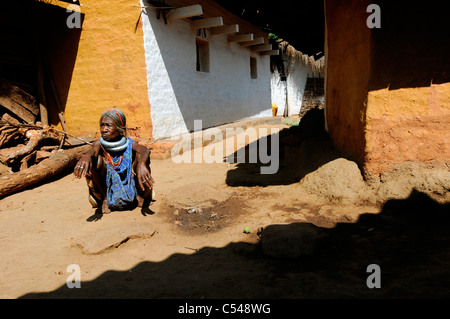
(109,130)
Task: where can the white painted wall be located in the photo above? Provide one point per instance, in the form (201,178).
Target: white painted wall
(178,94)
(297,74)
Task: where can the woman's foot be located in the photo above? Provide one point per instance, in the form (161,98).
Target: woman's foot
(146,200)
(140,201)
(105,207)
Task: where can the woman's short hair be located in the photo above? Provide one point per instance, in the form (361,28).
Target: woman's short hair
(118,119)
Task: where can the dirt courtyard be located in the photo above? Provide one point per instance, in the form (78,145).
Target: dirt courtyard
(192,245)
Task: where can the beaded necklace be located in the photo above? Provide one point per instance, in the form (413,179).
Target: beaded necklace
(114,164)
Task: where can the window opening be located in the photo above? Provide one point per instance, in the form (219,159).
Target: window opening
(253,68)
(202,52)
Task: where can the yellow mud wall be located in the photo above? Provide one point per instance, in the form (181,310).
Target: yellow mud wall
(407,125)
(347,75)
(388,88)
(109,69)
(408,104)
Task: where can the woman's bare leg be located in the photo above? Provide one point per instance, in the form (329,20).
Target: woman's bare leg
(97,178)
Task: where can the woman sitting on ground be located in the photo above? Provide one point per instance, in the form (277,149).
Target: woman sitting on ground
(117,169)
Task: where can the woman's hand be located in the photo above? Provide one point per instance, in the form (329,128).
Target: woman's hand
(83,166)
(144,176)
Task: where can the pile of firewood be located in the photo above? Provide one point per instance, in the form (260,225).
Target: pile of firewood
(22,146)
(29,151)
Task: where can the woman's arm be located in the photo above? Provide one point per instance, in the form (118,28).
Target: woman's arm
(143,171)
(84,165)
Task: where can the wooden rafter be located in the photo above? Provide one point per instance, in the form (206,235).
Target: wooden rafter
(208,23)
(262,47)
(241,37)
(185,12)
(226,29)
(259,40)
(270,52)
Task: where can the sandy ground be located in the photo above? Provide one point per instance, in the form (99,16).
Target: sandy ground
(172,253)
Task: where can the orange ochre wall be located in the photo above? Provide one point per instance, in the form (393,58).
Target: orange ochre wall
(407,125)
(347,50)
(387,90)
(109,69)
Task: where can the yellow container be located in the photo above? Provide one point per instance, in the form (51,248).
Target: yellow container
(274,109)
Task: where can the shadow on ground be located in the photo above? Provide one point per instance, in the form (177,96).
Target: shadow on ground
(301,150)
(408,240)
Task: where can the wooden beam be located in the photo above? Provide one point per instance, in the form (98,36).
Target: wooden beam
(231,28)
(18,102)
(64,5)
(270,52)
(255,41)
(240,37)
(185,12)
(208,23)
(262,47)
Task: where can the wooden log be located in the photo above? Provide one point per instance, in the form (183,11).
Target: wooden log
(25,160)
(49,148)
(10,133)
(35,136)
(46,169)
(5,170)
(42,155)
(5,152)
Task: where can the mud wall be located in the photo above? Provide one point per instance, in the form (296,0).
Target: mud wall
(387,89)
(347,74)
(109,69)
(409,124)
(408,105)
(179,94)
(292,88)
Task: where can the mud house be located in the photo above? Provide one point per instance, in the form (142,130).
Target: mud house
(388,88)
(77,59)
(165,64)
(204,63)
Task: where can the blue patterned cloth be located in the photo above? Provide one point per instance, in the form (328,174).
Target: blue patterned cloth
(121,189)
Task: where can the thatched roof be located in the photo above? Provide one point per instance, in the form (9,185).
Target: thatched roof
(291,56)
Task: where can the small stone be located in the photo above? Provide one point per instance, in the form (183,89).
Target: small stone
(290,241)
